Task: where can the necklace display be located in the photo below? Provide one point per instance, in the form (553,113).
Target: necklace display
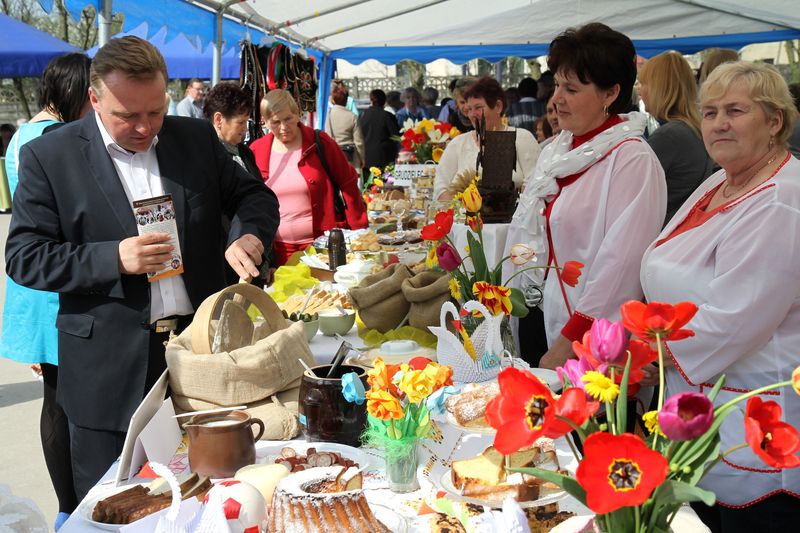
(726,193)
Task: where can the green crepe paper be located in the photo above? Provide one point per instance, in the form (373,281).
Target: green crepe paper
(291,280)
(451,508)
(379,434)
(374,337)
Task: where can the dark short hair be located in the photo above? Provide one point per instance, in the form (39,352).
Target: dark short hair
(597,54)
(193,81)
(527,88)
(229,99)
(411,92)
(393,98)
(64,86)
(377,98)
(547,79)
(7,128)
(489,89)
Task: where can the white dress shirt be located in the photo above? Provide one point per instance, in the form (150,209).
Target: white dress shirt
(141,178)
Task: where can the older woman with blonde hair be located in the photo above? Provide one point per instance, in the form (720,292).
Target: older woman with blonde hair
(669,92)
(306,170)
(734,249)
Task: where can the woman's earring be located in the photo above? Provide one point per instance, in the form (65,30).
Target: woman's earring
(771,142)
(605,110)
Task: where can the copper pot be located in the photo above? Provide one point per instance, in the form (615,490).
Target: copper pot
(221,444)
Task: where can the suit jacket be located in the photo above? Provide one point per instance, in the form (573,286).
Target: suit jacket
(71,212)
(378,127)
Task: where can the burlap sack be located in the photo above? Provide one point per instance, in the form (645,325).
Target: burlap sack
(379,298)
(251,376)
(426,292)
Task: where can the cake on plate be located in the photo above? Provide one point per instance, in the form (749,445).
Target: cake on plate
(328,500)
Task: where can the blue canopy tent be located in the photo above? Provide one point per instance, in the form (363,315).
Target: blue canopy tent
(461,30)
(25,51)
(184,59)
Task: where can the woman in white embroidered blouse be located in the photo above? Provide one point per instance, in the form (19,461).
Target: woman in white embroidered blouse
(734,249)
(597,196)
(485,99)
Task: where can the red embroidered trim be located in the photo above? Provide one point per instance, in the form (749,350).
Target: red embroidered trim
(749,469)
(759,500)
(711,385)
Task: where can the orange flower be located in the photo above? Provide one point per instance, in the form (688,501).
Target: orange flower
(383,405)
(496,298)
(380,376)
(437,154)
(475,223)
(571,272)
(657,318)
(442,374)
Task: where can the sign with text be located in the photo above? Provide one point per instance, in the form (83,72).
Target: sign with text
(404,175)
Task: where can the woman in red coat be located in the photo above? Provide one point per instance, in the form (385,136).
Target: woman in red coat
(292,168)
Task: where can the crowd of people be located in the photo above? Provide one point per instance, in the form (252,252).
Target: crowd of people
(705,208)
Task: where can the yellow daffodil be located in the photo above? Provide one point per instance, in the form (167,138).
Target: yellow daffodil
(383,405)
(454,132)
(496,298)
(471,199)
(375,171)
(378,182)
(455,289)
(431,260)
(425,125)
(416,384)
(600,387)
(437,154)
(651,422)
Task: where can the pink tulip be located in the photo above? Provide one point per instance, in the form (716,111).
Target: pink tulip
(574,369)
(608,341)
(448,257)
(686,416)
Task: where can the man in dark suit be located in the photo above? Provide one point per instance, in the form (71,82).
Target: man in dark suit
(74,232)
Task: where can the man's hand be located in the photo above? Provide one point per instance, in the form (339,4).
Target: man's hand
(244,256)
(557,355)
(146,253)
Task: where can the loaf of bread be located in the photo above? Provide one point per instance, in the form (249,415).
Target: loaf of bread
(469,407)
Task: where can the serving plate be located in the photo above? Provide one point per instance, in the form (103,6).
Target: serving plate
(267,452)
(86,507)
(445,483)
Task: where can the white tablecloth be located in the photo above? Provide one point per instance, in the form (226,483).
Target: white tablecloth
(494,241)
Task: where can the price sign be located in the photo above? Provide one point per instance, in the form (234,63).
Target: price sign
(404,175)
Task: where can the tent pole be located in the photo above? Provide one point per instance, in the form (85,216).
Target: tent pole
(319,13)
(216,64)
(104,22)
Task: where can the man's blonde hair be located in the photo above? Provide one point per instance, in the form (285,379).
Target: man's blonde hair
(133,56)
(671,89)
(764,85)
(277,101)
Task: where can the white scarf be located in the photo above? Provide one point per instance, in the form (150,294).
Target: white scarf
(557,160)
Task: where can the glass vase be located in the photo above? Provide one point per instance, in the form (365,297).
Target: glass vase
(401,469)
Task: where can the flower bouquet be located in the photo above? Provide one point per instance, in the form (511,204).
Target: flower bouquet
(633,483)
(426,138)
(398,416)
(471,276)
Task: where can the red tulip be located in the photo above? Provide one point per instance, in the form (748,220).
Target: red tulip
(619,471)
(571,272)
(475,222)
(526,410)
(647,320)
(440,227)
(773,440)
